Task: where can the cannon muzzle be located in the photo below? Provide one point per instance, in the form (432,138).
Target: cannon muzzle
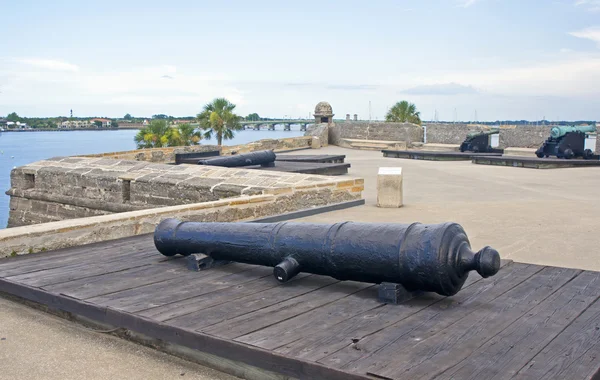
(263,157)
(420,257)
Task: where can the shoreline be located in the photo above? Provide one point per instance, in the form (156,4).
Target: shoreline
(70,130)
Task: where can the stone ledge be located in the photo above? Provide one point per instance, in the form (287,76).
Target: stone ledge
(440,147)
(74,187)
(372,144)
(74,232)
(519,152)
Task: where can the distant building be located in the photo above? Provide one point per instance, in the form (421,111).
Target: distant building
(16,125)
(105,122)
(74,124)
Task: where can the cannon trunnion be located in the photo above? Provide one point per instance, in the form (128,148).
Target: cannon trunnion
(419,257)
(567,142)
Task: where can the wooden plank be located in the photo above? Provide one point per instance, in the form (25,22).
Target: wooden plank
(84,269)
(292,329)
(98,254)
(503,355)
(431,351)
(320,158)
(282,310)
(315,345)
(184,308)
(573,354)
(106,283)
(206,317)
(436,317)
(153,295)
(196,341)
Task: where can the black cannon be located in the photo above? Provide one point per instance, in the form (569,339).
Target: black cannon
(419,257)
(263,158)
(567,142)
(479,142)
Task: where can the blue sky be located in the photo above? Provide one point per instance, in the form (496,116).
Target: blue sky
(504,59)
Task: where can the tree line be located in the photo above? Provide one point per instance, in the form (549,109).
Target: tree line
(217,118)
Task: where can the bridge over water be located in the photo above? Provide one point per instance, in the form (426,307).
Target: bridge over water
(270,124)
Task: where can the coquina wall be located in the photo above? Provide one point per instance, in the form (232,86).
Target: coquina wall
(510,136)
(78,187)
(167,154)
(406,132)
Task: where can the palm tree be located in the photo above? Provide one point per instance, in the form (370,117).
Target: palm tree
(403,112)
(153,136)
(158,134)
(217,117)
(184,135)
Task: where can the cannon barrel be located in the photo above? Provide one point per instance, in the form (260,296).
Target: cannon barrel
(420,257)
(560,131)
(263,157)
(483,133)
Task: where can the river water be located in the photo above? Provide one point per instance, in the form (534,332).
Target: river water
(21,148)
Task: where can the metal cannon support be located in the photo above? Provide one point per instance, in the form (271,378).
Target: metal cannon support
(263,158)
(567,142)
(420,257)
(478,142)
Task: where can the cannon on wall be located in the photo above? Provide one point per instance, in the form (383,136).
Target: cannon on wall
(479,142)
(567,142)
(418,257)
(263,158)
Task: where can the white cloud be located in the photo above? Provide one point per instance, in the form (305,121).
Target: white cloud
(440,89)
(159,88)
(575,76)
(590,5)
(467,3)
(591,33)
(48,64)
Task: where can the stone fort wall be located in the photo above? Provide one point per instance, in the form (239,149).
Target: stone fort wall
(375,131)
(510,136)
(167,154)
(78,187)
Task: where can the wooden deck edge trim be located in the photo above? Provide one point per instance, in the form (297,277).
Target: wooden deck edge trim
(222,348)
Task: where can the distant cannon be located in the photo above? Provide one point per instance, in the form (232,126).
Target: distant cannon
(567,142)
(263,158)
(478,142)
(419,257)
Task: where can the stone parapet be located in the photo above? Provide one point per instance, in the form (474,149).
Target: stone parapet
(521,136)
(76,187)
(359,130)
(167,154)
(74,232)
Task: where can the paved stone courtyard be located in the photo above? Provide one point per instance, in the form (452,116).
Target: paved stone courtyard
(547,217)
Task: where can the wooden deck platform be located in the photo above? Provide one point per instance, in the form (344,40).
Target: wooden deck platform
(306,167)
(527,322)
(534,162)
(322,164)
(434,155)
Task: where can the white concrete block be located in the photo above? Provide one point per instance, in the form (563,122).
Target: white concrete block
(389,187)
